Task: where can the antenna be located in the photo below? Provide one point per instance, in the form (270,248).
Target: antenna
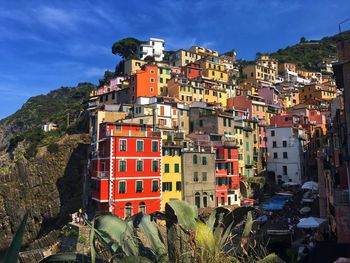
(339,25)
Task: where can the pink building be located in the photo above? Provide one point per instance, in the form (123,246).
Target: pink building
(271,95)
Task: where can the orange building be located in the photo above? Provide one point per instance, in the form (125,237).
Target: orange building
(144,83)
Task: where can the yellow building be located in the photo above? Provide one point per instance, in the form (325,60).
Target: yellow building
(317,91)
(265,69)
(205,90)
(164,75)
(239,142)
(183,57)
(310,75)
(214,69)
(203,51)
(132,65)
(171,173)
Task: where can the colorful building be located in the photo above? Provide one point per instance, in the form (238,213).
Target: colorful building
(126,173)
(317,91)
(213,68)
(183,57)
(132,65)
(144,83)
(171,176)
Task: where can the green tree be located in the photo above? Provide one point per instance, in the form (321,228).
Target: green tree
(302,40)
(126,48)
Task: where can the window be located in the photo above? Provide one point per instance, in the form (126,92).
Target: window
(224,120)
(285,155)
(151,89)
(122,166)
(139,165)
(178,186)
(247,146)
(139,186)
(204,160)
(166,168)
(204,176)
(285,172)
(151,80)
(195,159)
(167,186)
(195,176)
(176,168)
(142,207)
(155,186)
(284,143)
(122,145)
(139,146)
(200,123)
(275,155)
(274,144)
(128,210)
(152,71)
(154,166)
(272,133)
(161,80)
(154,146)
(122,187)
(197,199)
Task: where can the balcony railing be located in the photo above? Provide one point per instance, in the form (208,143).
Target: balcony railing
(341,196)
(102,174)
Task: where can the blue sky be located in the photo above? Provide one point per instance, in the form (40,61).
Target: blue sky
(48,44)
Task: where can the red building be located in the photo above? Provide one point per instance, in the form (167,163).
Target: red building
(227,178)
(144,83)
(126,174)
(191,70)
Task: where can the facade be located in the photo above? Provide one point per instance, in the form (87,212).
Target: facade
(164,75)
(153,48)
(126,173)
(144,83)
(198,176)
(132,65)
(171,176)
(317,92)
(191,70)
(285,153)
(203,51)
(213,68)
(183,57)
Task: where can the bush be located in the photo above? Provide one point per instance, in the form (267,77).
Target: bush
(53,148)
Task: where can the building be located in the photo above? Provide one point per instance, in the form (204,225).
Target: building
(285,67)
(126,173)
(144,82)
(164,75)
(132,65)
(172,170)
(191,70)
(203,51)
(183,57)
(264,70)
(152,48)
(213,68)
(317,91)
(49,126)
(285,146)
(198,176)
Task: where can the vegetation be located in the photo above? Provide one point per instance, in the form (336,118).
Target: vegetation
(64,107)
(126,48)
(308,53)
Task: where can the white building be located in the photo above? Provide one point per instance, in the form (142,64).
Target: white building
(286,154)
(154,48)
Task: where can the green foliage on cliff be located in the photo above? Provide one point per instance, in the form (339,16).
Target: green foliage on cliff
(64,107)
(126,48)
(308,53)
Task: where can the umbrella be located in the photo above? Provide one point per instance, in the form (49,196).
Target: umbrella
(311,185)
(310,222)
(305,210)
(285,193)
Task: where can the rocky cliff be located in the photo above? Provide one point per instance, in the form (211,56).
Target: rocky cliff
(49,185)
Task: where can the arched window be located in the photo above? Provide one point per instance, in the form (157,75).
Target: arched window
(205,199)
(142,207)
(197,199)
(128,210)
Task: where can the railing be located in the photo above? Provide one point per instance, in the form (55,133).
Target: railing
(221,172)
(102,174)
(341,196)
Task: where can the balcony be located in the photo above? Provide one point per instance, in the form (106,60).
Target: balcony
(102,174)
(221,172)
(341,197)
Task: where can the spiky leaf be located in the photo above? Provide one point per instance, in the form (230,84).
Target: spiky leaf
(248,225)
(186,214)
(13,251)
(205,238)
(134,259)
(116,234)
(271,258)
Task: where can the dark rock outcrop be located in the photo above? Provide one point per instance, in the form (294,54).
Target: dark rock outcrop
(49,186)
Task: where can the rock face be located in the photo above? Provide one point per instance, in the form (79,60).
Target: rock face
(50,186)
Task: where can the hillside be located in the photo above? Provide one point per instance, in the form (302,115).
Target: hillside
(60,106)
(307,54)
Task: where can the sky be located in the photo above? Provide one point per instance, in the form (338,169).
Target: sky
(48,44)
